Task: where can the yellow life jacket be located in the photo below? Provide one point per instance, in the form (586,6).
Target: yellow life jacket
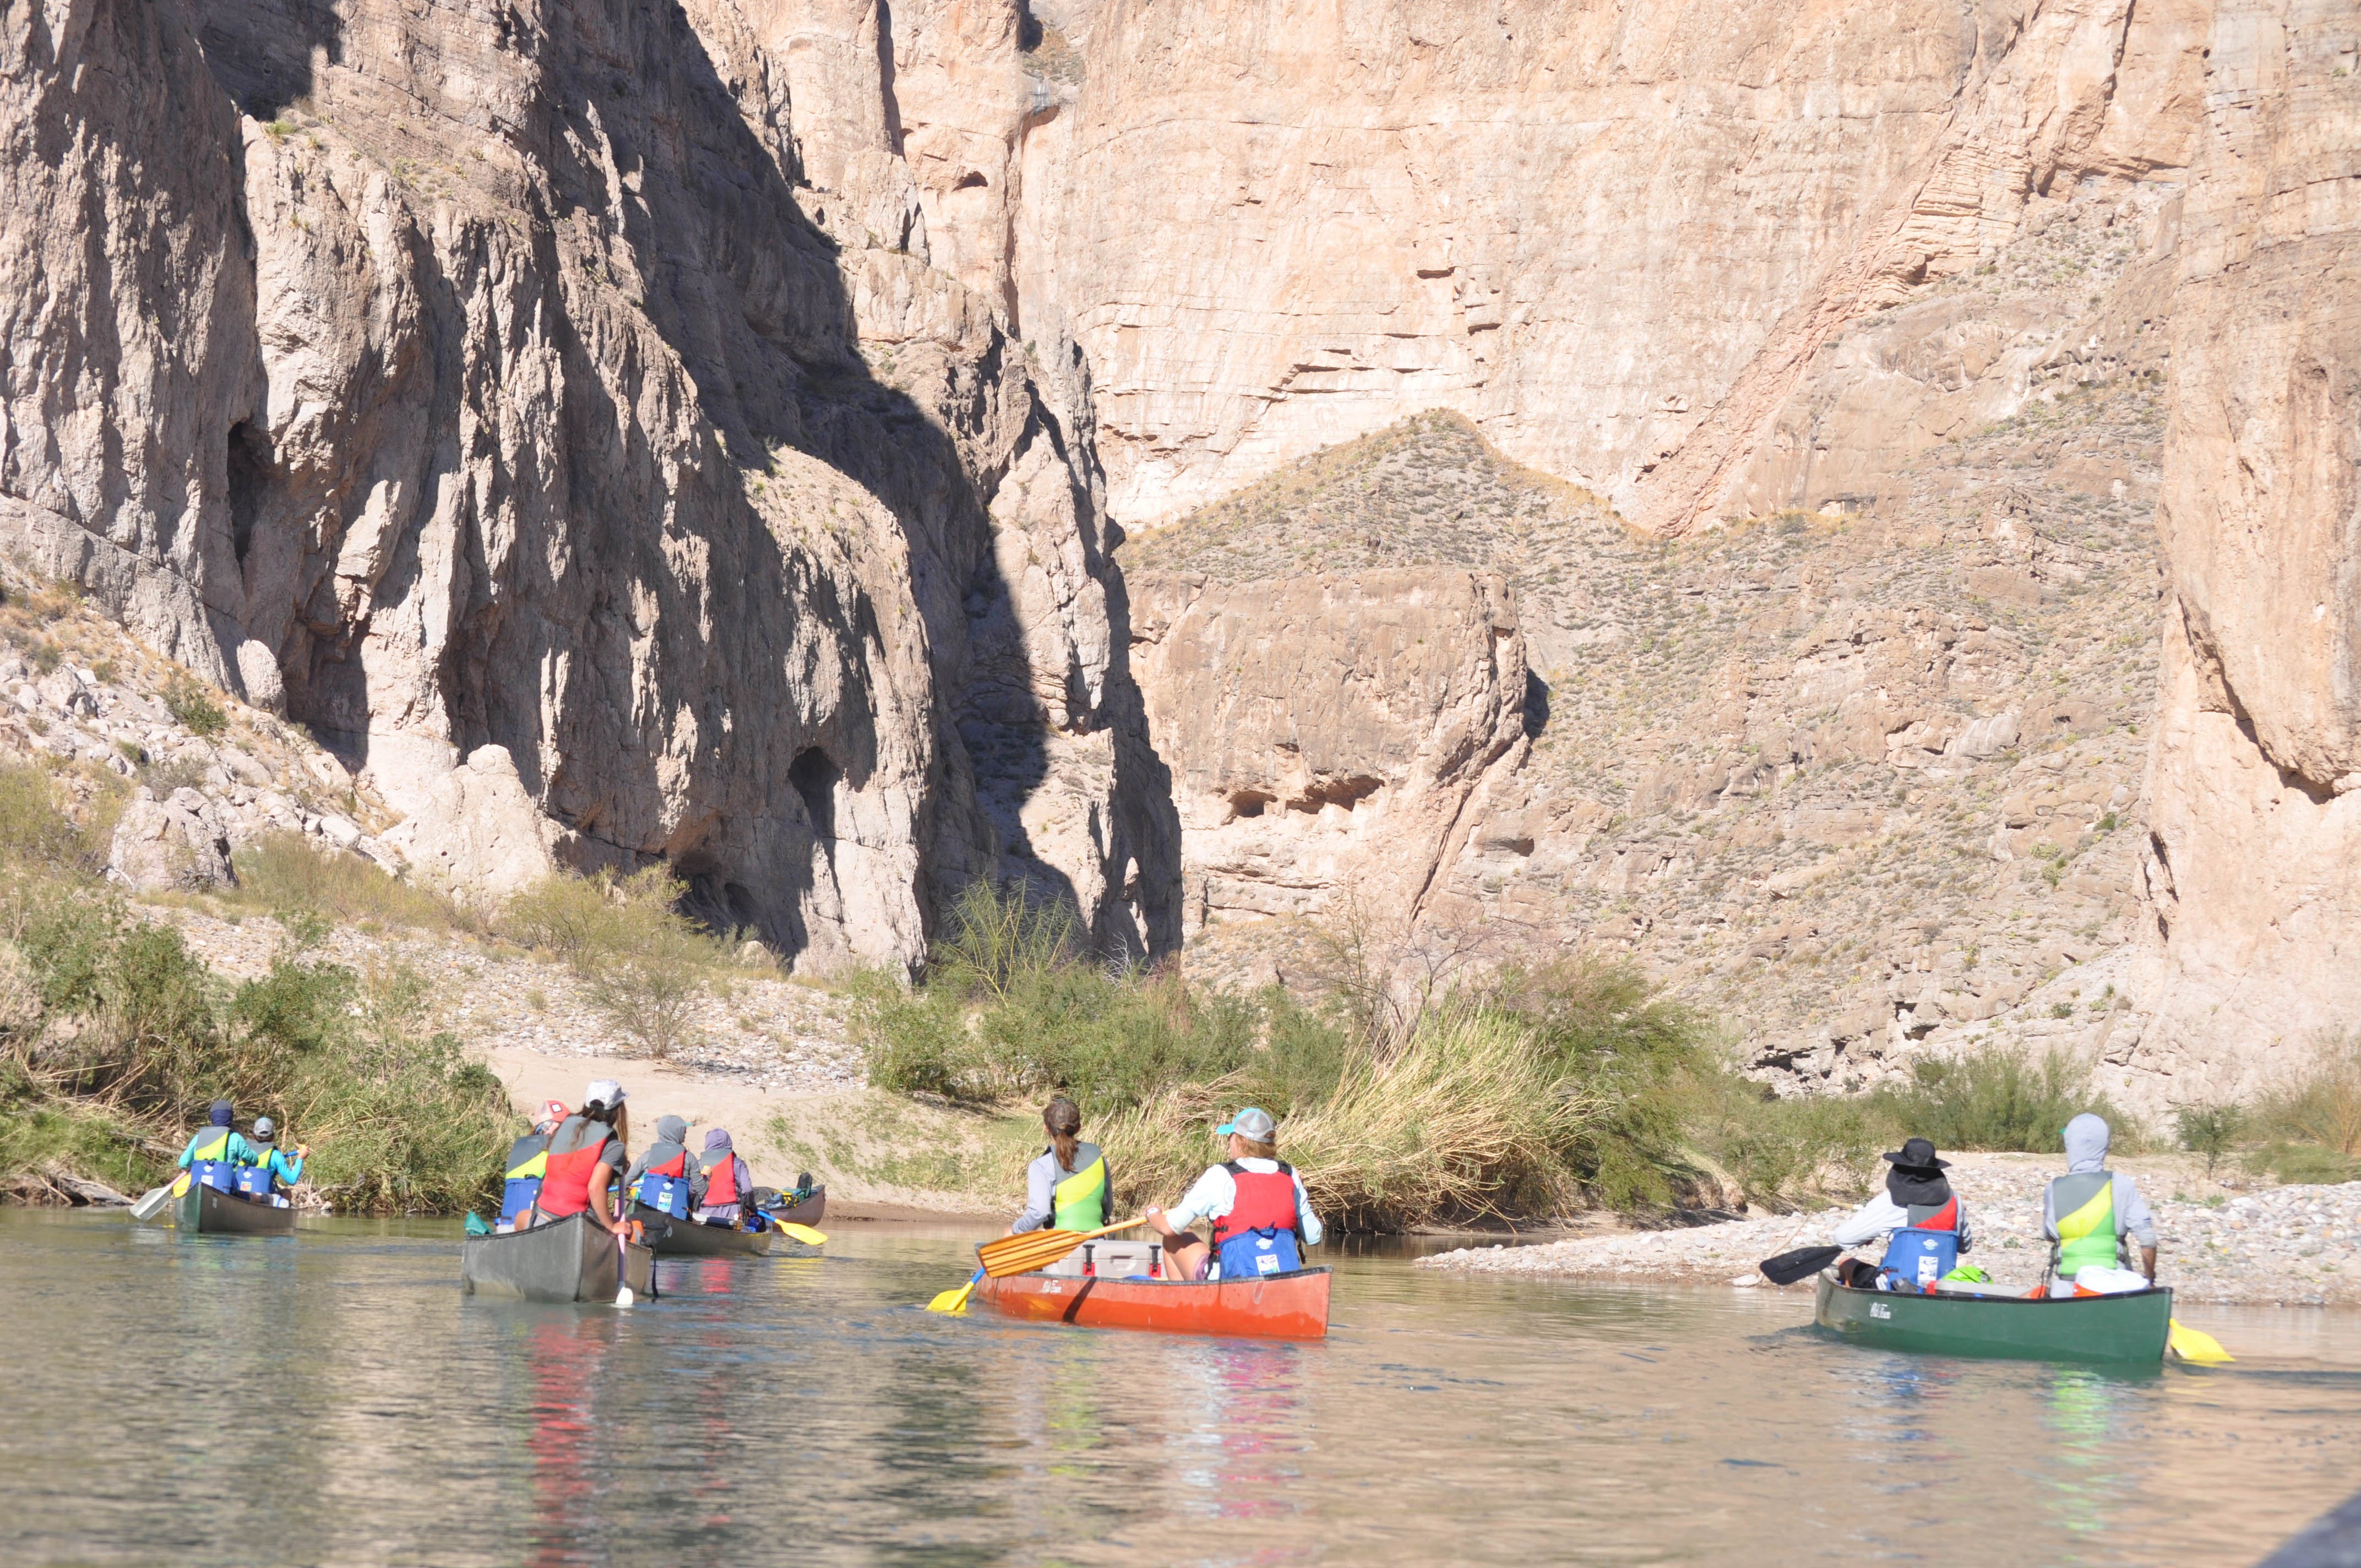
(2086,1222)
(1079,1202)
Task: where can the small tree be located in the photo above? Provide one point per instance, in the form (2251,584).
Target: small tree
(2209,1129)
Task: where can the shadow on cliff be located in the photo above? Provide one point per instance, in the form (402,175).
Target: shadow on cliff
(659,188)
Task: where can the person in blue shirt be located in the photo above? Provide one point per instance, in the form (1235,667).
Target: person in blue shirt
(284,1171)
(218,1141)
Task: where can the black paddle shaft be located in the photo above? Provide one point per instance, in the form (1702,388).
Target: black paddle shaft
(1790,1266)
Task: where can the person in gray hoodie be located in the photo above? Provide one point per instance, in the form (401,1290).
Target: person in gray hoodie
(667,1157)
(2092,1215)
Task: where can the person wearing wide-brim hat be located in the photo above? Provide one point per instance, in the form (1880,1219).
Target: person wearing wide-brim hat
(1917,1196)
(1262,1217)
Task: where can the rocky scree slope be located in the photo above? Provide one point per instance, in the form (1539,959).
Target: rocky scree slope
(477,390)
(1866,779)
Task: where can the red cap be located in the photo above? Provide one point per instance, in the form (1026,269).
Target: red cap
(552,1111)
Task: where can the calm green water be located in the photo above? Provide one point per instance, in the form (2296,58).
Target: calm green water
(334,1400)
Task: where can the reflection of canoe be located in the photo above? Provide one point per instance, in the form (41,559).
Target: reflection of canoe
(211,1212)
(687,1238)
(1275,1306)
(2131,1327)
(563,1260)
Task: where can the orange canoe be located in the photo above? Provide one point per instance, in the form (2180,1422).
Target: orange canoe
(1276,1306)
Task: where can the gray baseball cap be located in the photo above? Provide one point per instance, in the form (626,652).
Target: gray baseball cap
(1254,1123)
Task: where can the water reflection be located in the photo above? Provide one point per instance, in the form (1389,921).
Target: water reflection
(336,1400)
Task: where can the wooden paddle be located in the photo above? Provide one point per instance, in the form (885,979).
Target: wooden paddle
(1024,1253)
(955,1300)
(1790,1266)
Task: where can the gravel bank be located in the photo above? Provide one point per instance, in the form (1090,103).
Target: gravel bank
(2285,1245)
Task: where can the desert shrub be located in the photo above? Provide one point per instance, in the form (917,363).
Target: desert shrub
(147,1035)
(193,708)
(1791,1153)
(1013,1005)
(2211,1129)
(644,962)
(2001,1100)
(288,873)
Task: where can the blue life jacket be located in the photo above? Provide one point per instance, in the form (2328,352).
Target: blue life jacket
(527,1158)
(218,1174)
(254,1180)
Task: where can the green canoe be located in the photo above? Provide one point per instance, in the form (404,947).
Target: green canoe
(214,1212)
(2128,1328)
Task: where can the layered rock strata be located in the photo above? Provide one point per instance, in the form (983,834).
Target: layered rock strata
(477,390)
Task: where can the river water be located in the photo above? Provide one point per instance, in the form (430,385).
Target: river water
(335,1400)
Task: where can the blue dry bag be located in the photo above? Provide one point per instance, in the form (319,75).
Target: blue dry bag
(254,1180)
(1915,1260)
(668,1194)
(1252,1252)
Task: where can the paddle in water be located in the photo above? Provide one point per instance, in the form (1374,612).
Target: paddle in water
(803,1233)
(1029,1250)
(1790,1266)
(2196,1347)
(152,1203)
(955,1300)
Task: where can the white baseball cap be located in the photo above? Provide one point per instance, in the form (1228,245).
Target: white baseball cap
(605,1090)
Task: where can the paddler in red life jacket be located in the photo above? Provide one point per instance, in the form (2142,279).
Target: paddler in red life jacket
(1262,1218)
(586,1155)
(727,1182)
(1917,1220)
(667,1178)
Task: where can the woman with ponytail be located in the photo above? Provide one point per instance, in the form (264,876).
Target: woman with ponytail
(1066,1186)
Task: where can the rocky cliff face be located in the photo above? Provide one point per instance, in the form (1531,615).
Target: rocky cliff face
(491,394)
(1614,236)
(2254,947)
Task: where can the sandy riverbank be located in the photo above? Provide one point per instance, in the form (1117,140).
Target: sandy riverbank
(2287,1245)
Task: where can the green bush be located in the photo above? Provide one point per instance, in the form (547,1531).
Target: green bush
(193,708)
(2309,1125)
(2001,1100)
(2209,1129)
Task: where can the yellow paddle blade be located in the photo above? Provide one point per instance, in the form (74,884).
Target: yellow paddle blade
(2193,1345)
(806,1234)
(1022,1254)
(951,1300)
(181,1187)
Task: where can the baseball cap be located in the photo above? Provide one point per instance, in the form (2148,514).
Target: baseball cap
(1254,1123)
(552,1111)
(264,1126)
(606,1091)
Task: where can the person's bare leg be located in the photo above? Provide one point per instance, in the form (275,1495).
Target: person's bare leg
(1182,1258)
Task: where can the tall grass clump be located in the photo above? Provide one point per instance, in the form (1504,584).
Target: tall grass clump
(2309,1126)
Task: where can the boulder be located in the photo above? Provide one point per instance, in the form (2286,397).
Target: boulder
(177,842)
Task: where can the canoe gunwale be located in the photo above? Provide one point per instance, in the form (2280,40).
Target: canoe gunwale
(536,1265)
(210,1211)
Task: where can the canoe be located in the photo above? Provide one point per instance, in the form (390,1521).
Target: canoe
(564,1260)
(2129,1328)
(809,1210)
(208,1210)
(1271,1306)
(687,1238)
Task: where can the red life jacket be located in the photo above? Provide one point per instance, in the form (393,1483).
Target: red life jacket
(677,1165)
(574,1151)
(1945,1218)
(1266,1201)
(721,1180)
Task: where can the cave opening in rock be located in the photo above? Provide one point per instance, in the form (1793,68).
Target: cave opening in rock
(815,777)
(1249,803)
(249,479)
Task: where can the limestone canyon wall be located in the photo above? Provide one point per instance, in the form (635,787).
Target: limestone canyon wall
(477,388)
(2253,869)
